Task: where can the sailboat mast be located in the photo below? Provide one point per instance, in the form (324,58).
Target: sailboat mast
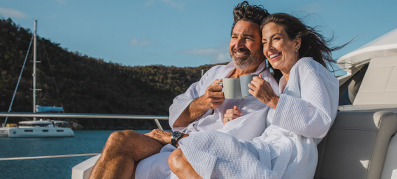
(34,68)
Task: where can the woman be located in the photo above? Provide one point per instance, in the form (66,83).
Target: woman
(300,117)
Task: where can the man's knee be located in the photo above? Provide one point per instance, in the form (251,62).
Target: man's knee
(120,141)
(176,160)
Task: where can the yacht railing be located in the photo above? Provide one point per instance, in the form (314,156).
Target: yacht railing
(51,156)
(86,115)
(80,116)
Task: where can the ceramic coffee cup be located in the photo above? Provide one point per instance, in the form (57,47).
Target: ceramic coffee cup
(244,81)
(231,88)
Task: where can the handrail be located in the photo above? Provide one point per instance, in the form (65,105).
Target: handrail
(86,115)
(82,115)
(77,115)
(42,157)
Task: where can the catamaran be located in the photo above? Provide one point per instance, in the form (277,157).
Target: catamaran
(36,128)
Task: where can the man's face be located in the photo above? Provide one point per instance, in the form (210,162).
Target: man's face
(245,45)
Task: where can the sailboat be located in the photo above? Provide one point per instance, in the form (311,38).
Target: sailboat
(37,128)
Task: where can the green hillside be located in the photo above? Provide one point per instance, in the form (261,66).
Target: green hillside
(83,84)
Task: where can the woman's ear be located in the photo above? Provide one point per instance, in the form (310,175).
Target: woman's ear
(298,42)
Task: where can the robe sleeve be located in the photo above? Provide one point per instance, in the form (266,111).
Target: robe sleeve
(182,101)
(313,113)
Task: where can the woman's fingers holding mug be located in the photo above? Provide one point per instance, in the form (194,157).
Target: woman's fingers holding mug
(231,114)
(237,112)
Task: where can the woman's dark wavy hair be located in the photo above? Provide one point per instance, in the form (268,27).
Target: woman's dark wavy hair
(313,44)
(251,13)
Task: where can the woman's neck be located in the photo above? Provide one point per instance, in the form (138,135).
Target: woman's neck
(286,76)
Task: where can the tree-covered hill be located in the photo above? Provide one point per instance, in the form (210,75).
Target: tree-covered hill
(81,84)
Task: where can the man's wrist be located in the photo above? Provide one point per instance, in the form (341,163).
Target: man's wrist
(177,141)
(175,136)
(199,105)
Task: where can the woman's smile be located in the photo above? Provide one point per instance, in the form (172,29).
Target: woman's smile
(274,56)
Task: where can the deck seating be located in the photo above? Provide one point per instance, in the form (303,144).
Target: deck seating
(356,145)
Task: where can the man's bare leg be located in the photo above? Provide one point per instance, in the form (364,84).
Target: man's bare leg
(122,151)
(181,166)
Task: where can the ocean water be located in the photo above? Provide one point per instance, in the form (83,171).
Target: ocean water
(53,168)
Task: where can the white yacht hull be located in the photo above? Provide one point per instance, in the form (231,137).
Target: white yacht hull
(40,132)
(4,131)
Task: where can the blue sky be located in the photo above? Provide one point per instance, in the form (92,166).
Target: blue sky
(185,32)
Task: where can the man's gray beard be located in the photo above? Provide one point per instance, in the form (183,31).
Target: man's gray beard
(246,63)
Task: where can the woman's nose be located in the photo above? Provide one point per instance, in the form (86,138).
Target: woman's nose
(268,46)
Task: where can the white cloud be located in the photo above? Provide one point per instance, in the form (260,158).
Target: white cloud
(174,4)
(61,1)
(136,42)
(148,3)
(12,13)
(217,55)
(171,3)
(311,8)
(222,58)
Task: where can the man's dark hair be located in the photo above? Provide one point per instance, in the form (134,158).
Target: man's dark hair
(251,13)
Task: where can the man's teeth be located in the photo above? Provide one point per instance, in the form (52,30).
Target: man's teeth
(274,55)
(240,53)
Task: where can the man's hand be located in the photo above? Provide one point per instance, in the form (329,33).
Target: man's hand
(231,114)
(164,137)
(213,96)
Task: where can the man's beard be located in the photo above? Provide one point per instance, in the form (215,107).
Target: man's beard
(247,62)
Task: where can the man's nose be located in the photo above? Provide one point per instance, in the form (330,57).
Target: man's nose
(240,43)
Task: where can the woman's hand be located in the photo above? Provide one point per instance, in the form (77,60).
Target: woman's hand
(262,90)
(231,114)
(164,137)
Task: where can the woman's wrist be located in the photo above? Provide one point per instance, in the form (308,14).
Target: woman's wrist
(273,102)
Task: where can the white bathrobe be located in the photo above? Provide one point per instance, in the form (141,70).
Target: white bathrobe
(246,127)
(288,147)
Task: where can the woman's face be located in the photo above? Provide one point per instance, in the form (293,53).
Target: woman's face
(278,48)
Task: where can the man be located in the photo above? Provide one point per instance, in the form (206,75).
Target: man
(202,107)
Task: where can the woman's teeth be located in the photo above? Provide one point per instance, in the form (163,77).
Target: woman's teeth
(274,55)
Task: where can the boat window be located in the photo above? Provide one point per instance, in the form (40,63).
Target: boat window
(45,130)
(28,130)
(349,90)
(59,130)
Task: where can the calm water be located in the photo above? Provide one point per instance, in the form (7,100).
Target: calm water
(54,168)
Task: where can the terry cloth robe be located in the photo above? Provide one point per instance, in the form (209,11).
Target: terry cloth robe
(246,127)
(288,148)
